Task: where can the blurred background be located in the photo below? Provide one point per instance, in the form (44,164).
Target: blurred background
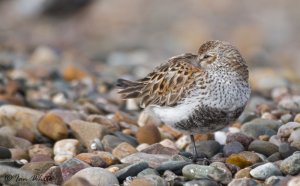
(129,38)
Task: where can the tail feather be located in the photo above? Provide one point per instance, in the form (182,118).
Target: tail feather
(128,89)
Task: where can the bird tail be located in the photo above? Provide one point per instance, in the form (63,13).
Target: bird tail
(129,89)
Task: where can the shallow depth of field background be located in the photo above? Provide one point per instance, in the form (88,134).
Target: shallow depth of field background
(131,37)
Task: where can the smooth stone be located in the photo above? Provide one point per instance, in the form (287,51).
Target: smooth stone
(40,149)
(17,154)
(97,176)
(107,157)
(5,153)
(174,166)
(295,181)
(168,143)
(294,139)
(286,118)
(239,137)
(131,170)
(243,159)
(38,167)
(233,148)
(160,149)
(16,176)
(209,147)
(154,160)
(194,171)
(291,165)
(111,125)
(148,171)
(20,117)
(286,150)
(201,182)
(14,142)
(78,181)
(127,138)
(67,115)
(146,118)
(224,178)
(178,157)
(244,182)
(263,147)
(258,127)
(148,134)
(264,171)
(86,132)
(53,127)
(273,180)
(72,166)
(290,103)
(243,173)
(183,142)
(25,133)
(274,157)
(285,130)
(92,159)
(246,116)
(276,140)
(297,118)
(65,149)
(40,158)
(123,149)
(53,175)
(220,137)
(151,180)
(110,142)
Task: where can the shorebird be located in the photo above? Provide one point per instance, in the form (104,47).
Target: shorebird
(195,93)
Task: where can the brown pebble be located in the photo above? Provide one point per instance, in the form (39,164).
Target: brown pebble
(53,127)
(297,118)
(92,159)
(71,72)
(26,133)
(148,134)
(123,149)
(243,173)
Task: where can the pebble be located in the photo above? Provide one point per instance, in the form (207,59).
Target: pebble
(265,171)
(86,132)
(297,118)
(17,154)
(127,138)
(209,147)
(294,138)
(246,116)
(152,180)
(92,159)
(5,153)
(53,175)
(142,146)
(145,118)
(258,127)
(8,170)
(40,149)
(40,158)
(291,165)
(285,130)
(286,150)
(97,176)
(147,171)
(194,171)
(72,72)
(111,125)
(154,160)
(174,166)
(123,149)
(263,147)
(290,103)
(273,180)
(276,140)
(295,181)
(78,181)
(286,118)
(53,127)
(224,178)
(243,173)
(233,148)
(110,142)
(131,170)
(243,159)
(168,143)
(65,149)
(38,167)
(72,166)
(239,137)
(183,142)
(25,133)
(20,117)
(148,134)
(159,149)
(244,182)
(201,182)
(274,157)
(107,157)
(220,137)
(14,142)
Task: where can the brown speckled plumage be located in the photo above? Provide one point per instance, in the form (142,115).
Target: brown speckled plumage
(195,93)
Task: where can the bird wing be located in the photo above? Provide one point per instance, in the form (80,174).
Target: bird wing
(166,85)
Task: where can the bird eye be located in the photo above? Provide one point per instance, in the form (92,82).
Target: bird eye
(206,56)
